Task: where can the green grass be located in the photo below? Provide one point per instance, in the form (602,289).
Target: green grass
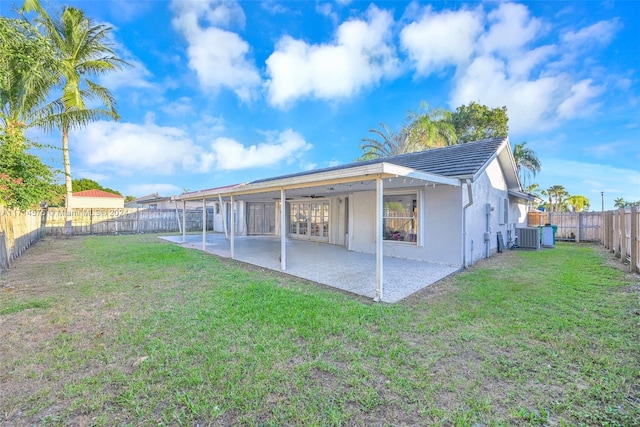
(134,331)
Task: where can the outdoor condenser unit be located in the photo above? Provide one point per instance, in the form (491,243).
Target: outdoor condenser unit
(528,237)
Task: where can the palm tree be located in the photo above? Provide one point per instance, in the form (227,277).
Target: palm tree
(431,128)
(82,49)
(527,163)
(27,73)
(388,144)
(556,193)
(619,202)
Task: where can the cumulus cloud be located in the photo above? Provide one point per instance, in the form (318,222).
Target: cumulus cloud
(499,60)
(228,154)
(125,148)
(361,55)
(437,40)
(218,56)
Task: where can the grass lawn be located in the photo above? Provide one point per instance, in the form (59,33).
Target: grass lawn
(131,330)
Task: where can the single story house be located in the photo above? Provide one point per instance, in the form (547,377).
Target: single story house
(152,201)
(97,199)
(444,205)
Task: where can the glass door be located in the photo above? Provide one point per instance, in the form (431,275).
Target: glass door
(309,220)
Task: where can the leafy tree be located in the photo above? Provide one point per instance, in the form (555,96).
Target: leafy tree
(474,122)
(25,182)
(578,203)
(619,202)
(82,49)
(387,143)
(128,199)
(527,163)
(89,184)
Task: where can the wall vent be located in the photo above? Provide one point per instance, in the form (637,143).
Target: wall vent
(528,238)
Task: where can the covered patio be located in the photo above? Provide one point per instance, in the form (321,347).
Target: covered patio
(330,265)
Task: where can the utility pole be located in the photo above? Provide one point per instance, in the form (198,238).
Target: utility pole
(602,195)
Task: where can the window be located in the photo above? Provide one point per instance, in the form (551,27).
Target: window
(400,217)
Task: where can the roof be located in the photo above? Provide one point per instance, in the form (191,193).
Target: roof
(455,161)
(151,198)
(96,193)
(447,165)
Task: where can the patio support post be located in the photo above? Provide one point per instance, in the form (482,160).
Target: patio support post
(184,221)
(283,231)
(204,224)
(379,238)
(233,227)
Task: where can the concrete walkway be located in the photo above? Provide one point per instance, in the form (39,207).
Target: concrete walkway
(330,265)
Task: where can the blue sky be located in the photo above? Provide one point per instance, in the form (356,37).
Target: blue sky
(226,92)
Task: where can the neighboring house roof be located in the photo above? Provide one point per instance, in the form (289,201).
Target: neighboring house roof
(456,161)
(96,193)
(151,198)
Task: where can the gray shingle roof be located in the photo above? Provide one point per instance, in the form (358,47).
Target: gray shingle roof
(456,161)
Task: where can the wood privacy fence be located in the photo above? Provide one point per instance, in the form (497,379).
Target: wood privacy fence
(21,229)
(18,231)
(114,221)
(621,235)
(617,230)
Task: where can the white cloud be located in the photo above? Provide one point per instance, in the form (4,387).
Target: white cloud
(218,56)
(128,147)
(601,32)
(511,28)
(180,107)
(527,101)
(140,190)
(579,102)
(229,154)
(438,40)
(125,148)
(361,55)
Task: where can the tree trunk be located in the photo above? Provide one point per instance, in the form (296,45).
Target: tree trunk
(68,225)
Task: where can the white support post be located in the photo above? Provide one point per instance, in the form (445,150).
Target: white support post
(379,238)
(233,226)
(204,224)
(283,231)
(184,221)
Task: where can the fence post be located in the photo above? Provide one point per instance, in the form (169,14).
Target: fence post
(623,235)
(577,215)
(634,240)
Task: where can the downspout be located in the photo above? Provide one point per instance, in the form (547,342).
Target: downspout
(464,226)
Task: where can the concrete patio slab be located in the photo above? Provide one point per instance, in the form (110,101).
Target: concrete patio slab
(327,264)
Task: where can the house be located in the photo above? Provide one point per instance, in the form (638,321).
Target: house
(445,205)
(97,199)
(152,201)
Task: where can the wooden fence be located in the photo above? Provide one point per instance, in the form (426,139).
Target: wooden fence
(617,230)
(116,221)
(621,235)
(21,229)
(18,231)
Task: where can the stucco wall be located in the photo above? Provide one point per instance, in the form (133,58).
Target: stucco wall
(440,226)
(489,188)
(98,202)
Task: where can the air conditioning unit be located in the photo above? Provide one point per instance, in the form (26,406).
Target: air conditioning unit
(528,237)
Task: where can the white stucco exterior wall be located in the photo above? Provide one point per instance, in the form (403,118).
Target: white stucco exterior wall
(97,202)
(440,224)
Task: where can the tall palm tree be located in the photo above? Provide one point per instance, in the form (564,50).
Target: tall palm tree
(556,194)
(82,49)
(431,128)
(387,143)
(619,202)
(527,163)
